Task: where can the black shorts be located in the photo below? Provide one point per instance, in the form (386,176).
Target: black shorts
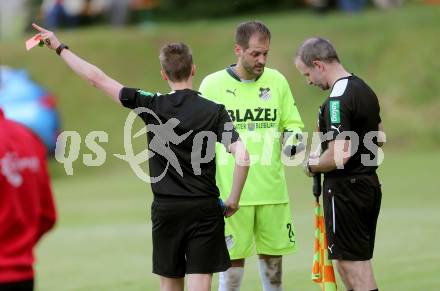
(351,209)
(27,285)
(188,237)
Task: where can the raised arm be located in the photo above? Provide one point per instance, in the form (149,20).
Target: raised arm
(85,70)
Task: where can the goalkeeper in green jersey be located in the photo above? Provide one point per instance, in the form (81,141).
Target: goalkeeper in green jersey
(262,108)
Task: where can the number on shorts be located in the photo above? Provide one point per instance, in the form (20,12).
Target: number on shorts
(290,233)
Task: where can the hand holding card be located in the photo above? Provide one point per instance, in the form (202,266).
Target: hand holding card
(33,41)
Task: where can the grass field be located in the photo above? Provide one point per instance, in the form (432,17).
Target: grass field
(102,240)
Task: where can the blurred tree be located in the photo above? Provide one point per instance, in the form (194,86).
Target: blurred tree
(213,8)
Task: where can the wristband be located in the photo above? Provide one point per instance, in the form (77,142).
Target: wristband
(60,48)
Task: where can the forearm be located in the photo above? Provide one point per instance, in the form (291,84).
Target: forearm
(325,163)
(336,156)
(241,170)
(238,181)
(381,138)
(85,70)
(92,74)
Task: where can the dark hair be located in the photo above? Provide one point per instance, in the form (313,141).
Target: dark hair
(246,30)
(316,48)
(176,60)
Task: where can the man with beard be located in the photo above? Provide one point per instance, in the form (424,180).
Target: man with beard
(263,110)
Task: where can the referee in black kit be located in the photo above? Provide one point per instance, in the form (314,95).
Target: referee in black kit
(349,119)
(187,216)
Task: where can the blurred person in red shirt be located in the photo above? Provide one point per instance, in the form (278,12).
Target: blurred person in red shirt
(27,208)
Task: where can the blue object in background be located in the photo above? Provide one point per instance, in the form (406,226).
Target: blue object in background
(28,103)
(351,5)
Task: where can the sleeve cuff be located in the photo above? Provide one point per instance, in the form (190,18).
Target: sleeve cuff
(127,96)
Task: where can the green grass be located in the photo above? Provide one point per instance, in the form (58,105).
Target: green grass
(102,240)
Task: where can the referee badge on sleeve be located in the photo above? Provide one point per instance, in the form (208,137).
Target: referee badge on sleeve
(335,115)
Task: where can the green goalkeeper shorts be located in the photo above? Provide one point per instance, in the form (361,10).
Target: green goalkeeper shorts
(270,226)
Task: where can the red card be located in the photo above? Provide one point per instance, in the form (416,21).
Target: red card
(30,43)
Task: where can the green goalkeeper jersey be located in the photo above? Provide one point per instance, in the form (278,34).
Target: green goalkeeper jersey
(261,110)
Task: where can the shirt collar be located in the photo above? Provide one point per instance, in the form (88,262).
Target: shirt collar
(230,70)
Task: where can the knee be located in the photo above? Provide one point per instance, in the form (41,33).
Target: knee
(342,268)
(271,268)
(352,271)
(231,279)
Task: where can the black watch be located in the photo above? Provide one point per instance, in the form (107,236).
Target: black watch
(60,48)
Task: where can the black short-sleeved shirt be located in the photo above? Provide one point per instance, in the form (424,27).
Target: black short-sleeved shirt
(178,126)
(351,106)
